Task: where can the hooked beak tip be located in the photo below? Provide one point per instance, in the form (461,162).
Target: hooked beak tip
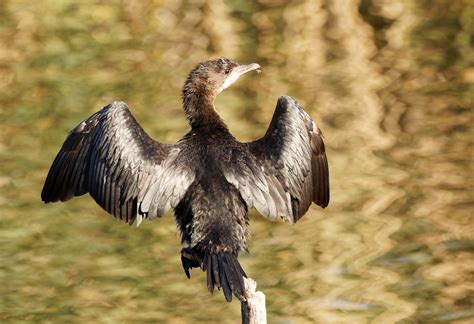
(249,67)
(256,67)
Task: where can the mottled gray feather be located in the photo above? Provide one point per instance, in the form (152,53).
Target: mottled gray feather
(110,156)
(287,169)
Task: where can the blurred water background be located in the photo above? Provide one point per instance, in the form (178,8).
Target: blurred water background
(389,82)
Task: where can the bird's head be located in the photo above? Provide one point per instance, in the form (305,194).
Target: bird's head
(211,77)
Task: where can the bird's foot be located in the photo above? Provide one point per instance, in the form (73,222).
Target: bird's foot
(190,259)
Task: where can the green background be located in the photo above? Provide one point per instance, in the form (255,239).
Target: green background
(389,82)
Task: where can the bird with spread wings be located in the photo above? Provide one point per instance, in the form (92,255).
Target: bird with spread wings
(208,178)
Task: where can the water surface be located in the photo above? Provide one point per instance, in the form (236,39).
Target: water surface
(389,83)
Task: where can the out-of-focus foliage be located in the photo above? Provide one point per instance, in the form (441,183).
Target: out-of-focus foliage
(389,82)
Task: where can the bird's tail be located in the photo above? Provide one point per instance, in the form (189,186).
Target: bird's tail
(223,271)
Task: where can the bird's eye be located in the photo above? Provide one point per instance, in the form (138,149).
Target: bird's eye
(227,71)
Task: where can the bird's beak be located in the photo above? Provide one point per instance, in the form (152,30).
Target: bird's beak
(242,69)
(236,73)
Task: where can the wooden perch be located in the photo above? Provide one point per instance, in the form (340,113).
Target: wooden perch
(253,309)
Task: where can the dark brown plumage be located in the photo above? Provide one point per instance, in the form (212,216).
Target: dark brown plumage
(208,178)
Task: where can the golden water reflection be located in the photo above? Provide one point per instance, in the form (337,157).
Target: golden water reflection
(390,84)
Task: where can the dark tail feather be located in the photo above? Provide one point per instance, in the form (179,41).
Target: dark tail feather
(224,271)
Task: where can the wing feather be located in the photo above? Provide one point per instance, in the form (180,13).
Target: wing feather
(288,166)
(110,156)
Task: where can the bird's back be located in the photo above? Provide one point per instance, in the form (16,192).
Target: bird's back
(212,216)
(208,153)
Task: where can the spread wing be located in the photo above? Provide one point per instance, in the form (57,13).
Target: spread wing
(128,174)
(287,169)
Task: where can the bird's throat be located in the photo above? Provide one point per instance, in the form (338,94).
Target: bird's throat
(200,111)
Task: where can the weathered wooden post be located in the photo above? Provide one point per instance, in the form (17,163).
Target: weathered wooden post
(253,310)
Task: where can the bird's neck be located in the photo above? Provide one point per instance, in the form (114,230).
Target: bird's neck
(200,111)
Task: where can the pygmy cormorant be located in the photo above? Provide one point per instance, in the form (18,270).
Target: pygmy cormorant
(208,177)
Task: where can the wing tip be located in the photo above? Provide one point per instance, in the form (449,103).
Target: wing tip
(324,204)
(322,200)
(64,198)
(118,104)
(285,99)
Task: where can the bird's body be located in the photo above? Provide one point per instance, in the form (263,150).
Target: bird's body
(212,208)
(208,178)
(212,216)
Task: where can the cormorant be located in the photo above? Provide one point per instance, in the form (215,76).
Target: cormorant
(208,178)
